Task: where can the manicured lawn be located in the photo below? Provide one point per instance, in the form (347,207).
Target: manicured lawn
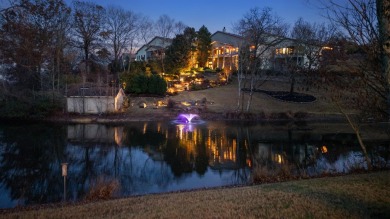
(353,196)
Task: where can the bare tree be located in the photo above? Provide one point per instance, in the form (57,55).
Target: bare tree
(179,28)
(309,40)
(366,24)
(165,26)
(359,20)
(62,26)
(88,23)
(121,29)
(146,30)
(261,32)
(383,15)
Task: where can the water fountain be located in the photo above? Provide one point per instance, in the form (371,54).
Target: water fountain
(187,121)
(187,118)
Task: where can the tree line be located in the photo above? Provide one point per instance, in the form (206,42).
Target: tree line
(47,45)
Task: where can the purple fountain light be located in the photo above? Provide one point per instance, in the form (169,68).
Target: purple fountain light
(187,118)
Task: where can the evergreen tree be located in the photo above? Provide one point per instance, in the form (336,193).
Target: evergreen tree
(204,46)
(178,53)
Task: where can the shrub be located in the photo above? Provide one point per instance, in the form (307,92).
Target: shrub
(156,85)
(142,84)
(102,190)
(29,108)
(273,173)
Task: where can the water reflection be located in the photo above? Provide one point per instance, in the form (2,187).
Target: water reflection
(149,157)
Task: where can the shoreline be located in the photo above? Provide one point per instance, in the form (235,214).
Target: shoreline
(207,116)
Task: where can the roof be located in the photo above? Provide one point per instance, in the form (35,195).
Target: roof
(153,48)
(154,38)
(227,38)
(235,40)
(229,34)
(90,89)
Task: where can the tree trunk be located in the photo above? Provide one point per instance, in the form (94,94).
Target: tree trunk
(239,94)
(240,75)
(131,49)
(86,60)
(383,14)
(250,93)
(356,129)
(40,76)
(292,84)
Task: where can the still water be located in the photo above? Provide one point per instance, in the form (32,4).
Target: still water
(154,157)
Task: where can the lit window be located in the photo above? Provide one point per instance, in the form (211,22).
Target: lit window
(284,51)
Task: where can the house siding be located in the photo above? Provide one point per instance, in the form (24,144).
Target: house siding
(145,53)
(225,51)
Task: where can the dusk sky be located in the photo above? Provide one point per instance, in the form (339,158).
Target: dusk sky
(216,14)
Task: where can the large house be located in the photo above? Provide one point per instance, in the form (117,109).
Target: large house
(225,51)
(224,55)
(153,50)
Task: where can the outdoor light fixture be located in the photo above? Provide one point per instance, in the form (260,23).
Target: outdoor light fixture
(64,174)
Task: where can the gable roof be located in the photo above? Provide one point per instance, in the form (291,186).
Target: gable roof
(236,40)
(149,44)
(228,38)
(228,34)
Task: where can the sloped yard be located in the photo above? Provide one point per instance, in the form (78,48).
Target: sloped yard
(353,196)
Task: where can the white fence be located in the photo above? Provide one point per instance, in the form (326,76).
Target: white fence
(90,104)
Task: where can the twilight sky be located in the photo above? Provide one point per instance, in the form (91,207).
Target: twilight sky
(216,14)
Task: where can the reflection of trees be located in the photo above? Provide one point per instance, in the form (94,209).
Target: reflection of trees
(243,141)
(152,157)
(201,160)
(297,152)
(186,151)
(30,162)
(177,157)
(286,156)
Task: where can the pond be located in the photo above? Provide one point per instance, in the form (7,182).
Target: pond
(154,157)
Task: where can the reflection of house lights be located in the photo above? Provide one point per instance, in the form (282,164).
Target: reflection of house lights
(249,162)
(118,135)
(278,158)
(181,127)
(145,127)
(159,127)
(324,149)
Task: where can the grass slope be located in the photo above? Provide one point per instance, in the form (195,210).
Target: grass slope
(354,196)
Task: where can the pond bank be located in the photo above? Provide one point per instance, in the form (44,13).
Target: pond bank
(167,115)
(351,196)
